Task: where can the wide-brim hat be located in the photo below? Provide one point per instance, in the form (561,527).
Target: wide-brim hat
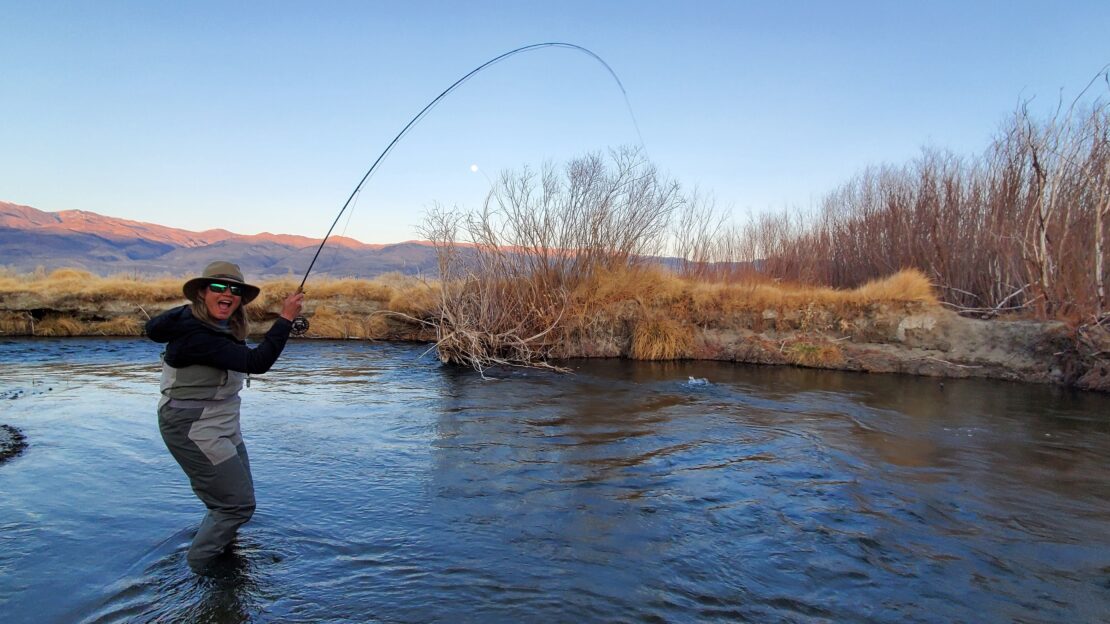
(220,271)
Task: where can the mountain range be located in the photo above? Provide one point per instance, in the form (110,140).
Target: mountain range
(31,238)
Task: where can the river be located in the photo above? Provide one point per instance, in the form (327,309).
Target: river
(394,489)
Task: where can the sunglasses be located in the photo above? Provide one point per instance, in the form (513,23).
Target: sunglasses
(219,288)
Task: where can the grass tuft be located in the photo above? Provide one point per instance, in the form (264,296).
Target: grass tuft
(60,326)
(327,322)
(905,285)
(119,326)
(16,324)
(812,353)
(661,339)
(418,300)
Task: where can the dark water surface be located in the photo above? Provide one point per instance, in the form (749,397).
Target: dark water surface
(393,489)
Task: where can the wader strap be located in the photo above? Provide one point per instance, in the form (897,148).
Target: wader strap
(201,403)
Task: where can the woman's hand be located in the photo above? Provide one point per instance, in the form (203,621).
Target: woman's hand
(292,306)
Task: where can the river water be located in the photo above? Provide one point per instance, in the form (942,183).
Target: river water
(393,489)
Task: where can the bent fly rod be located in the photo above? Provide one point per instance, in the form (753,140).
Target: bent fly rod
(300,324)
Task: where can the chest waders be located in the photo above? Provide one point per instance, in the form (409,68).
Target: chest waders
(198,416)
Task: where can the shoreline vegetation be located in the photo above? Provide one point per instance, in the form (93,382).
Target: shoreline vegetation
(993,266)
(893,325)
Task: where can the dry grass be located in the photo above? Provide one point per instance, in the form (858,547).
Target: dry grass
(74,283)
(55,325)
(654,312)
(661,338)
(75,303)
(668,309)
(328,322)
(905,285)
(120,326)
(273,293)
(812,353)
(708,303)
(16,323)
(347,290)
(417,299)
(351,289)
(82,286)
(651,286)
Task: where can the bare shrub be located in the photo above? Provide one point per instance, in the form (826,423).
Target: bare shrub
(1021,228)
(698,231)
(507,270)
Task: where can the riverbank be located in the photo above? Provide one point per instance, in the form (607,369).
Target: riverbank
(910,337)
(890,326)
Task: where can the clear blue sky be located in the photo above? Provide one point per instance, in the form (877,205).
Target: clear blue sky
(263,116)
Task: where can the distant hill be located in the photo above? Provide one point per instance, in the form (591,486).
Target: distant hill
(31,238)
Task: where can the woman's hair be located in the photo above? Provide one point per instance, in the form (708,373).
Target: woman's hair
(237,323)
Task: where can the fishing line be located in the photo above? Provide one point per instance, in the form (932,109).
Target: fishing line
(300,324)
(343,232)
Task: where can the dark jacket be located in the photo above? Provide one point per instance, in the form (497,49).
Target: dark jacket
(193,342)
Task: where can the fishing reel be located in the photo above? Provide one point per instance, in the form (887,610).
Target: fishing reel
(300,326)
(300,323)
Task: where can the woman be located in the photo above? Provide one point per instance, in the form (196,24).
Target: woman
(203,368)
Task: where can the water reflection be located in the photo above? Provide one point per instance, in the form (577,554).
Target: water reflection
(391,488)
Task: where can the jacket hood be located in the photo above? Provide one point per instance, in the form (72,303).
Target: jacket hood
(176,323)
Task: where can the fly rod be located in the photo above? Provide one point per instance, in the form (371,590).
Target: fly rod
(300,324)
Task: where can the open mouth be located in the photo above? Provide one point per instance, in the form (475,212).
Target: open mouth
(224,305)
